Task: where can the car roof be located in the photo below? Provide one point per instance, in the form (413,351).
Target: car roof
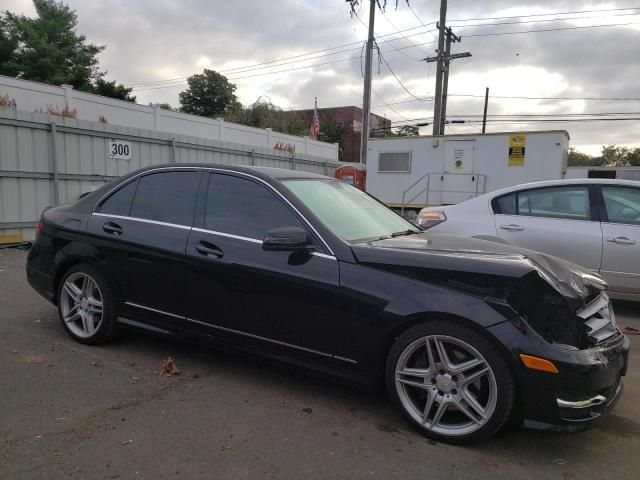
(270,172)
(566,181)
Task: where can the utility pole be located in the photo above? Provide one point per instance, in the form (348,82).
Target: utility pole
(366,100)
(484,115)
(443,59)
(439,66)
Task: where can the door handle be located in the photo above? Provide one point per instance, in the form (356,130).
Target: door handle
(209,250)
(621,240)
(512,227)
(112,228)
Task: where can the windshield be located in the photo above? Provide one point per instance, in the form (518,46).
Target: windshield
(348,212)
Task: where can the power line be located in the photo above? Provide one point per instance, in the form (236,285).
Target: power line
(269,62)
(401,34)
(504,121)
(396,77)
(516,97)
(496,34)
(182,82)
(299,56)
(533,15)
(563,19)
(387,105)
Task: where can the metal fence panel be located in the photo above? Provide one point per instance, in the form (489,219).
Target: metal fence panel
(46,160)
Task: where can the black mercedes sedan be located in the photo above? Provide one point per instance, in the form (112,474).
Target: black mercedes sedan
(301,268)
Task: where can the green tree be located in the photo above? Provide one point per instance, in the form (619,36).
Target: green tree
(8,47)
(113,90)
(580,159)
(634,157)
(264,114)
(404,131)
(210,94)
(615,156)
(331,131)
(49,49)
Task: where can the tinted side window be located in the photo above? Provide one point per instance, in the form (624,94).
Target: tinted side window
(120,202)
(505,204)
(556,202)
(242,207)
(167,197)
(623,204)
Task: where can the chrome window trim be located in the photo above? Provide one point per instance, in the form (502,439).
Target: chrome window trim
(278,342)
(228,235)
(324,255)
(159,169)
(143,220)
(215,169)
(253,240)
(131,304)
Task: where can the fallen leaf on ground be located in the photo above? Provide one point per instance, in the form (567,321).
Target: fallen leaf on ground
(169,368)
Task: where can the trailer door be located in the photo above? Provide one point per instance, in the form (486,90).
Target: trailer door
(458,183)
(458,156)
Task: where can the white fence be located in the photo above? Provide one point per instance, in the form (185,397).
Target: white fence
(34,96)
(46,160)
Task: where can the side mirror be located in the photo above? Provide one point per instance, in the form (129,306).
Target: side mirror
(286,239)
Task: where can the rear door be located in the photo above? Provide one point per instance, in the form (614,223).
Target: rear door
(557,220)
(621,230)
(282,300)
(152,234)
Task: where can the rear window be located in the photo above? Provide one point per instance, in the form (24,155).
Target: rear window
(168,197)
(119,203)
(505,205)
(571,202)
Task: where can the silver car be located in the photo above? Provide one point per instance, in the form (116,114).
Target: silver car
(591,222)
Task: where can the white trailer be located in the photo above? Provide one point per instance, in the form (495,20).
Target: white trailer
(621,173)
(413,172)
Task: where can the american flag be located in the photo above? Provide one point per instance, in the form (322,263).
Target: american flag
(315,124)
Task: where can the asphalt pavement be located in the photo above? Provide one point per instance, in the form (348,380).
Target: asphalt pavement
(74,411)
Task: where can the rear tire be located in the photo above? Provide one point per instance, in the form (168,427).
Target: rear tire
(86,305)
(450,382)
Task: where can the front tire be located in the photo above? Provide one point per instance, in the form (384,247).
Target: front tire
(450,382)
(86,305)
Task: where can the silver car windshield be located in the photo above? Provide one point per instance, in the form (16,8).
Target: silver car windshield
(348,212)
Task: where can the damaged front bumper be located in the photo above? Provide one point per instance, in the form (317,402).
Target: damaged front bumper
(588,383)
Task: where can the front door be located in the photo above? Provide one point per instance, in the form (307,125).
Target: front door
(553,220)
(621,231)
(286,301)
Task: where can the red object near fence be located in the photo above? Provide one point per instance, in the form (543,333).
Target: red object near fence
(354,174)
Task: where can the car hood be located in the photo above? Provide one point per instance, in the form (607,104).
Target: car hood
(444,252)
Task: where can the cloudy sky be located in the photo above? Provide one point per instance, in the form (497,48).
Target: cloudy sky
(154,44)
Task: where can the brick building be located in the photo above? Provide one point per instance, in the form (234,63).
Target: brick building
(351,120)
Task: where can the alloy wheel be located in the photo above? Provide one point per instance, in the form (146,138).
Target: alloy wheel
(81,305)
(446,385)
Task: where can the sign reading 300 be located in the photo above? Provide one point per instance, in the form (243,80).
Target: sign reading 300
(119,149)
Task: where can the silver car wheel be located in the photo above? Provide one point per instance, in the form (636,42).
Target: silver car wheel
(446,385)
(81,305)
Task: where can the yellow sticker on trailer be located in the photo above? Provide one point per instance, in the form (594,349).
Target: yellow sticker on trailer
(9,238)
(517,147)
